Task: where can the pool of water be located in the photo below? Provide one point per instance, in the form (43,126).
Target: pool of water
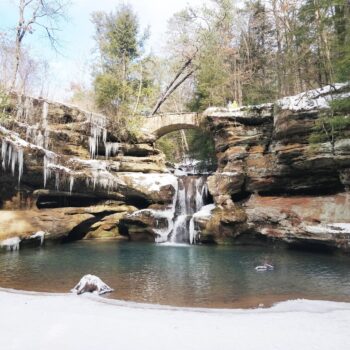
(196,276)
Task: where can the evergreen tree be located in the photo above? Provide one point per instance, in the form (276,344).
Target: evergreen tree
(121,79)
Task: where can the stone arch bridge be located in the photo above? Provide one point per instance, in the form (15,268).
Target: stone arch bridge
(162,124)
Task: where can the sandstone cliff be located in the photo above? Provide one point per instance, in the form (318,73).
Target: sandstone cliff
(64,172)
(271,182)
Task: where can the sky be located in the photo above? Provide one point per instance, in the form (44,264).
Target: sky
(74,62)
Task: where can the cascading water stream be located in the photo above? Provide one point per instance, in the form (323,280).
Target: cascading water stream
(191,195)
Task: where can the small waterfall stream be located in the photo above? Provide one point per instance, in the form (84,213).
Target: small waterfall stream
(192,194)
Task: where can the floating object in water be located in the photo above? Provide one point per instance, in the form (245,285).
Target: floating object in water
(265,267)
(91,284)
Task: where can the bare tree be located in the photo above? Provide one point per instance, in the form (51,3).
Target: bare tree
(32,72)
(41,15)
(180,77)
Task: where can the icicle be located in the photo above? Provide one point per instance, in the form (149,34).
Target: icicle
(93,142)
(98,131)
(9,155)
(71,184)
(12,157)
(47,170)
(111,149)
(4,153)
(20,164)
(13,161)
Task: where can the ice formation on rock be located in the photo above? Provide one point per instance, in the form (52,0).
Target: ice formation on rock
(91,284)
(39,235)
(99,174)
(98,125)
(111,149)
(11,244)
(63,170)
(12,157)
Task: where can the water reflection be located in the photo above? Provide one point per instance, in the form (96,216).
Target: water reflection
(186,276)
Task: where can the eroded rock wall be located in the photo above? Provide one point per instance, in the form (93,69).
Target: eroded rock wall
(65,173)
(272,182)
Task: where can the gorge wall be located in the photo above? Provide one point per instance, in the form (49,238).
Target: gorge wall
(271,183)
(65,173)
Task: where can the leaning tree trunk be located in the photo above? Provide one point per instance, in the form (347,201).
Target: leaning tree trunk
(171,87)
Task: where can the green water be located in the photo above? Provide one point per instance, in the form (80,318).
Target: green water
(205,276)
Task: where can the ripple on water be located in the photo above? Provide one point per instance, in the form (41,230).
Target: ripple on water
(181,275)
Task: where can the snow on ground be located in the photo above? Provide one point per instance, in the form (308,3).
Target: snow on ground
(41,322)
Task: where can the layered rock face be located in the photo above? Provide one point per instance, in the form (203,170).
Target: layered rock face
(271,182)
(64,173)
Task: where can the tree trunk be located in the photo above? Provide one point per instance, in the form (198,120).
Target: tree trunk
(140,91)
(166,94)
(19,37)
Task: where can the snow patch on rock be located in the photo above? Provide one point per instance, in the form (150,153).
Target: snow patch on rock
(313,99)
(152,182)
(336,228)
(205,212)
(91,284)
(11,244)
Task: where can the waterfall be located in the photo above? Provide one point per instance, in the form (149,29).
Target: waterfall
(190,198)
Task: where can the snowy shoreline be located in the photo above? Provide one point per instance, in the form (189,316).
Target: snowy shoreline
(56,321)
